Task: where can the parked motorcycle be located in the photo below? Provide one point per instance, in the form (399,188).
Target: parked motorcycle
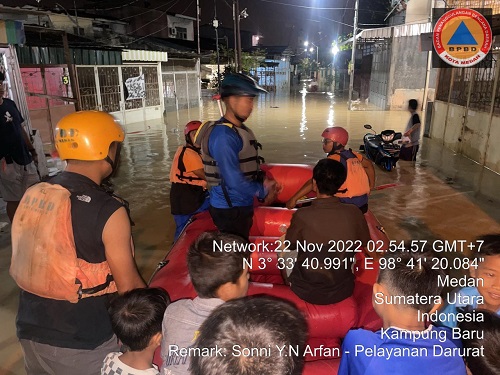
(382,148)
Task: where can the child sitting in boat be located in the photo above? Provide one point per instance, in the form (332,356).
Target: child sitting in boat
(335,231)
(217,276)
(136,317)
(484,289)
(407,287)
(261,335)
(188,193)
(360,172)
(484,356)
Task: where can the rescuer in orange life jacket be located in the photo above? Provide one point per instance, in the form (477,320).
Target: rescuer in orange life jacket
(360,172)
(188,194)
(71,250)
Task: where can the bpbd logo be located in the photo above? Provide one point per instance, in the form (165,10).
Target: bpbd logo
(462,37)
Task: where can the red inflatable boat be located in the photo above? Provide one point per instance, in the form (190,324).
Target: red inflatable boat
(328,324)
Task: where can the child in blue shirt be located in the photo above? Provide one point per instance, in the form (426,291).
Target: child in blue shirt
(405,288)
(486,294)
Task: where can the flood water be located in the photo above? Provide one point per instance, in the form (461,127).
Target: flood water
(441,197)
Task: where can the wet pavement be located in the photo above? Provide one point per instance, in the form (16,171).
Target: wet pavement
(442,196)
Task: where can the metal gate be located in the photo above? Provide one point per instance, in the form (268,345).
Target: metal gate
(379,79)
(102,88)
(180,90)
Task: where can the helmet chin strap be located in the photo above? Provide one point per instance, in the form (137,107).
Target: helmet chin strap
(114,164)
(337,146)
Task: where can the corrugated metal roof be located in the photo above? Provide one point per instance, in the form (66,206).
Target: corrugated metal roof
(414,29)
(142,55)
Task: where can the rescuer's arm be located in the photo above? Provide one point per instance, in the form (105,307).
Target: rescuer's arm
(30,146)
(225,148)
(305,189)
(415,125)
(200,173)
(116,238)
(370,171)
(194,163)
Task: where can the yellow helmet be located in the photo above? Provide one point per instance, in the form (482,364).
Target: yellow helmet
(87,135)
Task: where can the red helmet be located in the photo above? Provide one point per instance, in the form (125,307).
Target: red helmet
(191,125)
(337,134)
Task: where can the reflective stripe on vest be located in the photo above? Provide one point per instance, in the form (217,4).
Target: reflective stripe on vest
(44,259)
(249,158)
(356,183)
(178,172)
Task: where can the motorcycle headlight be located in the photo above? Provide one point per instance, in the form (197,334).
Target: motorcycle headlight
(388,138)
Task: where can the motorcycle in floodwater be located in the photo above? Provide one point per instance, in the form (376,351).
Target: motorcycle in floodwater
(382,148)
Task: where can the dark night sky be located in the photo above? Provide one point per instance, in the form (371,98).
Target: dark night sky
(278,21)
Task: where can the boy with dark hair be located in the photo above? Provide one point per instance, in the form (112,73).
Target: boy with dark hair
(488,327)
(486,295)
(330,225)
(136,317)
(217,276)
(407,286)
(257,335)
(412,131)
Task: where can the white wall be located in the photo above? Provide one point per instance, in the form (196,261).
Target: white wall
(182,22)
(418,11)
(474,142)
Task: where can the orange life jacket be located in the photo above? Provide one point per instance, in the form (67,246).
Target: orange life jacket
(356,183)
(178,172)
(44,259)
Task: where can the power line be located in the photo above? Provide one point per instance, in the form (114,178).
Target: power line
(149,10)
(161,15)
(187,7)
(341,23)
(143,37)
(317,8)
(154,32)
(120,6)
(300,6)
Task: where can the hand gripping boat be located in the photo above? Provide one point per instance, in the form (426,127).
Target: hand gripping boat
(328,324)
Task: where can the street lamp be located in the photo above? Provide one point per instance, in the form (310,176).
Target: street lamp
(306,44)
(335,50)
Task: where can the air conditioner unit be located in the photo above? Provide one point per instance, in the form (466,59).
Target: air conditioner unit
(172,31)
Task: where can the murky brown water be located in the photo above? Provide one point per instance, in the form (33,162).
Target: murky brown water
(443,196)
(432,199)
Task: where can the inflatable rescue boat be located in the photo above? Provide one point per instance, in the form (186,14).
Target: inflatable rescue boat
(328,324)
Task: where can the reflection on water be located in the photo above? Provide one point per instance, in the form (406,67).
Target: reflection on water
(421,206)
(443,196)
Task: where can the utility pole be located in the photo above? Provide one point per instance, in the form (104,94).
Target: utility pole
(353,56)
(238,65)
(76,17)
(235,27)
(198,25)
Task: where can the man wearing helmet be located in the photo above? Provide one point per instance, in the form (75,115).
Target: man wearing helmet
(17,154)
(231,161)
(76,241)
(360,172)
(188,194)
